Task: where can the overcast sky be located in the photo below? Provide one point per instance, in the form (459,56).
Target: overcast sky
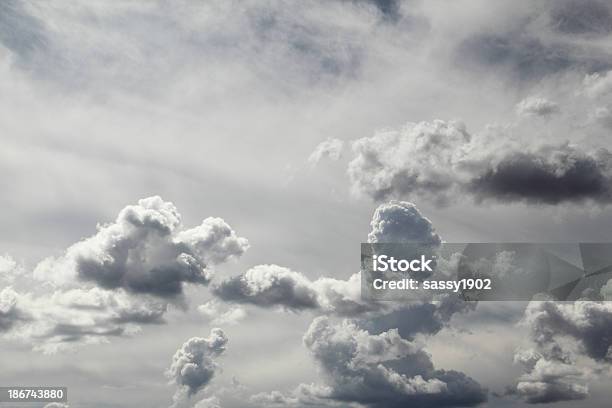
(170,168)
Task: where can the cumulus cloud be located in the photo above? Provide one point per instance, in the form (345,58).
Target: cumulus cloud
(536,106)
(549,380)
(561,332)
(401,222)
(276,286)
(441,161)
(56,405)
(330,149)
(194,366)
(382,370)
(123,277)
(145,251)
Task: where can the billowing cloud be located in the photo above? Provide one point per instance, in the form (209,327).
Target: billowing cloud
(442,162)
(417,160)
(145,251)
(194,366)
(548,379)
(537,106)
(401,222)
(270,285)
(276,286)
(382,370)
(328,149)
(561,332)
(123,277)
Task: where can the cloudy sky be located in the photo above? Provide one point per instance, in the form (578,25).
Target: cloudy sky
(186,185)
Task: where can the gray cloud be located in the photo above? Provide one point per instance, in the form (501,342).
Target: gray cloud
(560,332)
(145,251)
(382,370)
(581,17)
(537,106)
(193,365)
(79,316)
(277,286)
(442,162)
(549,175)
(9,313)
(123,277)
(548,379)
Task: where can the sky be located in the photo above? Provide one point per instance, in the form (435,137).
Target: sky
(186,185)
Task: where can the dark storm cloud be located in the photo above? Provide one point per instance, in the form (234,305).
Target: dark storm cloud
(146,251)
(440,161)
(581,17)
(547,176)
(194,366)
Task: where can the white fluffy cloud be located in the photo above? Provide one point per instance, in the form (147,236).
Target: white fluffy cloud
(401,222)
(145,251)
(194,366)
